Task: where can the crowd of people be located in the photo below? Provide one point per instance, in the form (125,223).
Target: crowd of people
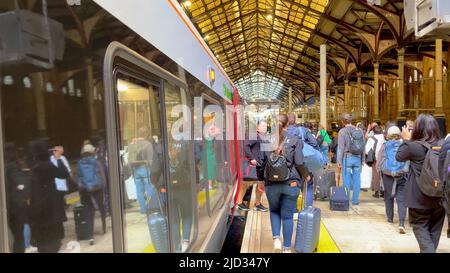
(402,163)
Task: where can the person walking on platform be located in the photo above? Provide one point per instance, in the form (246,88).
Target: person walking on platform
(350,156)
(301,131)
(374,143)
(324,142)
(426,215)
(284,172)
(253,151)
(393,174)
(91,182)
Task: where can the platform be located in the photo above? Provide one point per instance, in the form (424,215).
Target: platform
(362,229)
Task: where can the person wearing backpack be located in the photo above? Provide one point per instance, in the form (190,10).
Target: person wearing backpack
(426,214)
(301,131)
(373,147)
(444,168)
(284,174)
(324,142)
(350,156)
(393,174)
(91,182)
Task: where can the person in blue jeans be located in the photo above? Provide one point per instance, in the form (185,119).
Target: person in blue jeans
(140,160)
(282,196)
(350,164)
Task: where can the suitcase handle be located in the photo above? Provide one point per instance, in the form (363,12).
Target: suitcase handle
(304,193)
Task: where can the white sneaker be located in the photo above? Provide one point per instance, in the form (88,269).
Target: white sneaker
(184,246)
(287,250)
(31,249)
(295,216)
(277,244)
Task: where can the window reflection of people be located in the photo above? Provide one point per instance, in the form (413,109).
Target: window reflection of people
(140,157)
(91,181)
(47,212)
(18,182)
(181,192)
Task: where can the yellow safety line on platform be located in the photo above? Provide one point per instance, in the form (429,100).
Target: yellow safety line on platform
(73,201)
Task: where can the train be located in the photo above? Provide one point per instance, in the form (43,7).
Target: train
(114,74)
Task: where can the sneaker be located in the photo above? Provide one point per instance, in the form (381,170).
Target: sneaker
(390,221)
(382,194)
(91,242)
(296,216)
(287,250)
(243,207)
(376,194)
(401,229)
(260,207)
(277,244)
(184,245)
(31,249)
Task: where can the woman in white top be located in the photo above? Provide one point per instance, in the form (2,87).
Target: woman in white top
(375,142)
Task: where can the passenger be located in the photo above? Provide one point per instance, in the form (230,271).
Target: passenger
(426,215)
(282,196)
(325,145)
(91,183)
(445,171)
(252,149)
(180,188)
(102,156)
(300,131)
(377,139)
(47,212)
(410,125)
(333,148)
(309,135)
(394,175)
(140,156)
(370,133)
(349,163)
(18,182)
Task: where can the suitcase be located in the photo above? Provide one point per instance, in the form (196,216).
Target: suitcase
(308,228)
(83,227)
(157,224)
(323,181)
(157,227)
(339,200)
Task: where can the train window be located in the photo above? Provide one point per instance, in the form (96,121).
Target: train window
(52,142)
(181,167)
(144,195)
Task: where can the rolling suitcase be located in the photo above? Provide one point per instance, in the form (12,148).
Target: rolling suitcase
(324,180)
(308,228)
(83,227)
(339,200)
(157,225)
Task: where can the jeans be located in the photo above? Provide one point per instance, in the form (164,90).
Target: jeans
(141,176)
(427,227)
(27,235)
(351,174)
(282,205)
(324,150)
(388,183)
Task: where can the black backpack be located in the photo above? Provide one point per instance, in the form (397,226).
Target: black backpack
(276,169)
(356,141)
(371,155)
(429,181)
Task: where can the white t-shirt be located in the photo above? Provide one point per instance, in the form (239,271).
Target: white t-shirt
(371,142)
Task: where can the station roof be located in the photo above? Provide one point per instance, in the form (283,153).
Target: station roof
(267,46)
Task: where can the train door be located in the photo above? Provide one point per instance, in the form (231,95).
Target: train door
(149,166)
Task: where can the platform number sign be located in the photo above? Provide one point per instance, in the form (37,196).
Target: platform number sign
(74,2)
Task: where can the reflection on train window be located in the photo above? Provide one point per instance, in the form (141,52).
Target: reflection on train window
(214,163)
(140,135)
(180,168)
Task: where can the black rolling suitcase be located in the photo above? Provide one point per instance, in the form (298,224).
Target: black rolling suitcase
(324,180)
(83,227)
(339,199)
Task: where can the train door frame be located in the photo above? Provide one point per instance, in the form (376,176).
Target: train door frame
(114,53)
(4,230)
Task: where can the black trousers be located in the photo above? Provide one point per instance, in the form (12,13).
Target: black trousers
(50,246)
(388,182)
(16,225)
(88,199)
(427,227)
